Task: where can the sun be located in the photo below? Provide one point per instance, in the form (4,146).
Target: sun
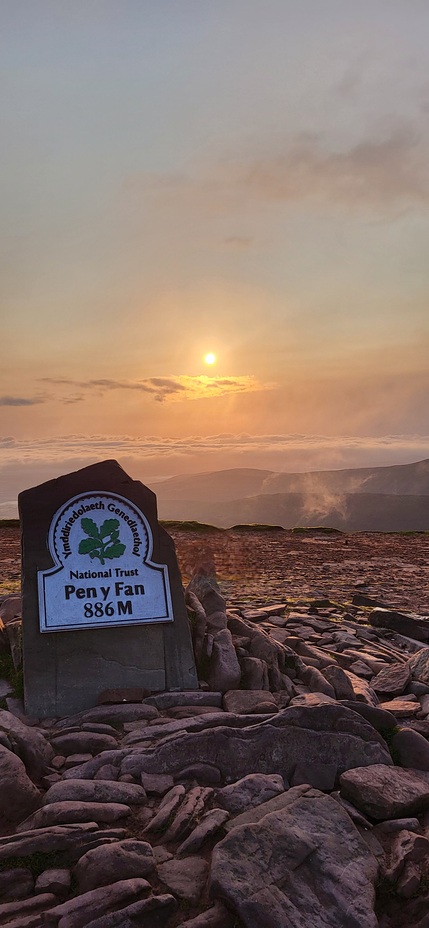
(210,358)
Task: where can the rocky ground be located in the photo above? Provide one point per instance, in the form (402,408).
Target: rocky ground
(290,791)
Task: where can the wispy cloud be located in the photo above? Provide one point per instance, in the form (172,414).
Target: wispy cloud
(21,400)
(384,171)
(171,388)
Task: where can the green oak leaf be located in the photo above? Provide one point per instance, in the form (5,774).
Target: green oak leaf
(115,551)
(90,527)
(108,526)
(87,545)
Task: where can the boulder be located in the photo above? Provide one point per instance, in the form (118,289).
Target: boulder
(111,862)
(185,877)
(18,794)
(224,670)
(328,734)
(28,743)
(304,864)
(400,623)
(63,813)
(411,749)
(385,793)
(95,791)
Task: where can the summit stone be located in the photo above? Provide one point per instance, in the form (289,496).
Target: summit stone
(103,604)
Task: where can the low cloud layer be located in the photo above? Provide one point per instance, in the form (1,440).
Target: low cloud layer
(27,463)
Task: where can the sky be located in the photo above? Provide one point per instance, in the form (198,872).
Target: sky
(245,178)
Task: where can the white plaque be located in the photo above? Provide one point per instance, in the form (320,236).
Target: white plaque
(103,575)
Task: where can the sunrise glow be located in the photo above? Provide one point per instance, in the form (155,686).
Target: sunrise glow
(210,358)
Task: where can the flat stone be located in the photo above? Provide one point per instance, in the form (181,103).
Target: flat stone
(60,813)
(127,712)
(184,712)
(75,760)
(385,792)
(156,784)
(81,742)
(96,791)
(185,698)
(394,680)
(45,840)
(24,908)
(185,878)
(312,699)
(249,701)
(401,708)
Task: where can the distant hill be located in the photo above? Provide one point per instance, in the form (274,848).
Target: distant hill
(383,499)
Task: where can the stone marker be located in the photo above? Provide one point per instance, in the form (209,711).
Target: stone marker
(103,604)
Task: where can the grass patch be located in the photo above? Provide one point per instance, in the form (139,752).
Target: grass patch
(256,527)
(8,672)
(387,735)
(189,526)
(324,529)
(37,862)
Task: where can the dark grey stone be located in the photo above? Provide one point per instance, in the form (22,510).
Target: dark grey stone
(64,671)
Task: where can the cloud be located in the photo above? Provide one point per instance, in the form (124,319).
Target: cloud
(385,171)
(393,169)
(174,388)
(20,401)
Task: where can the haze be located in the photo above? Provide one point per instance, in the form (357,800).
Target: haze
(243,178)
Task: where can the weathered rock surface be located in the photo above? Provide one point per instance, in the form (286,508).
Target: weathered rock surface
(18,795)
(334,735)
(108,863)
(384,793)
(184,770)
(306,863)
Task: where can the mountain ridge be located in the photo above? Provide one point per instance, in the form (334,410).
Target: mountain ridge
(392,498)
